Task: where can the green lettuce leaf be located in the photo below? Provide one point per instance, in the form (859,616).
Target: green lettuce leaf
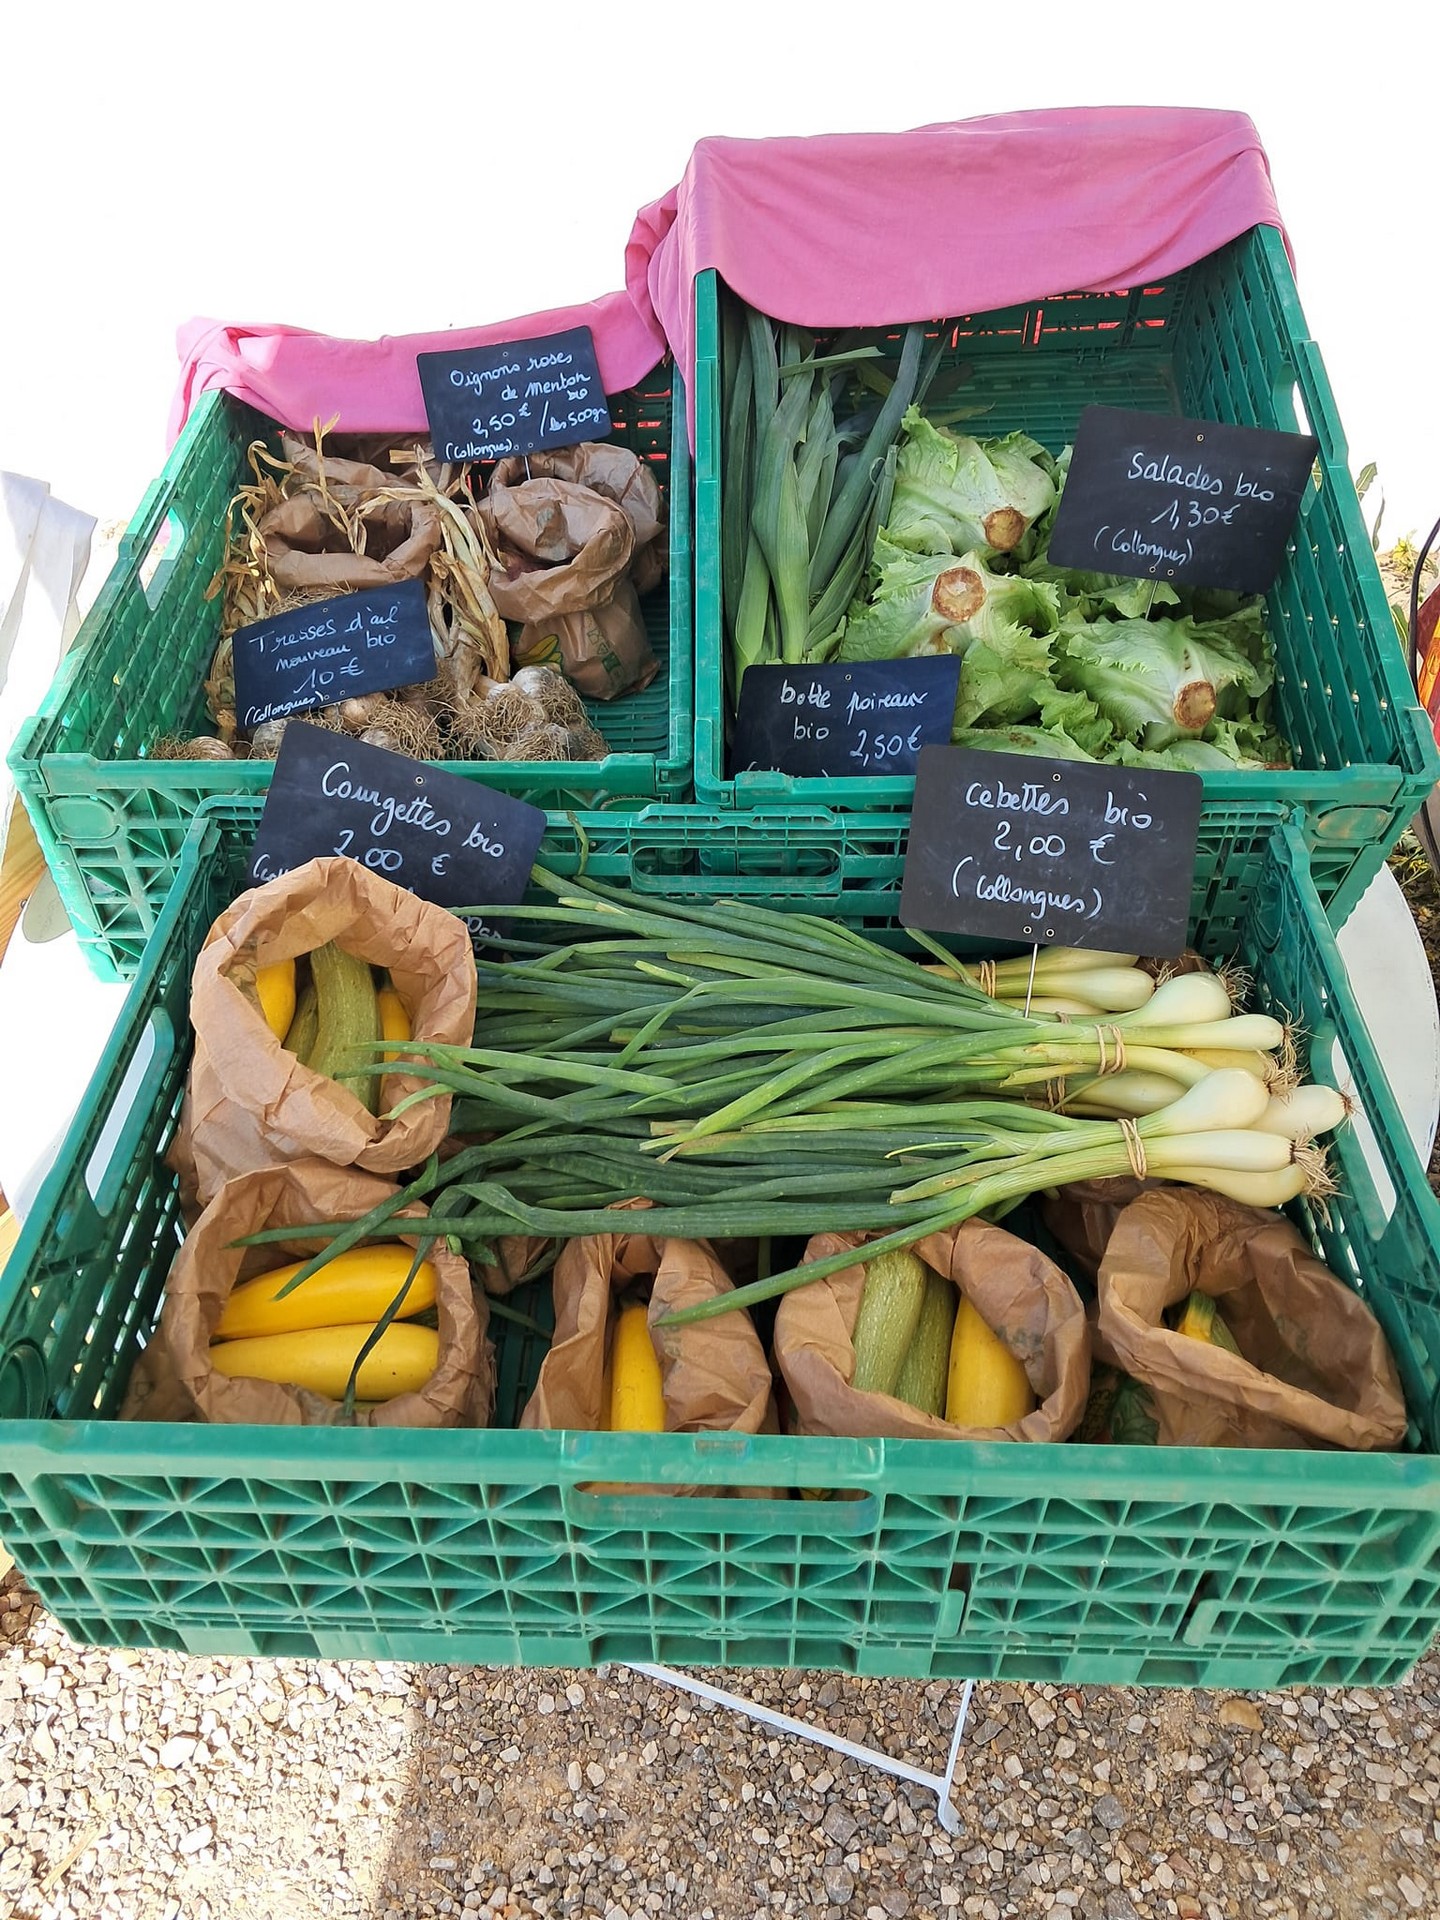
(1054,743)
(1156,680)
(1003,678)
(954,494)
(933,603)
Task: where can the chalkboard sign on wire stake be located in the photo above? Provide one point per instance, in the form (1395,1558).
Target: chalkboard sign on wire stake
(332,650)
(1013,847)
(514,397)
(1155,496)
(449,840)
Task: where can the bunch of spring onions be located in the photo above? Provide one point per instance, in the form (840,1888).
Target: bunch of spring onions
(759,1073)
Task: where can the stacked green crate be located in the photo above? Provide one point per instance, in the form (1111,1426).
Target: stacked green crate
(1064,1563)
(1226,340)
(111,820)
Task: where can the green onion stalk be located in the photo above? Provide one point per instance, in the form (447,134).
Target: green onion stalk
(752,1073)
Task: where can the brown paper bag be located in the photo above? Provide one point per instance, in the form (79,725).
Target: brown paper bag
(716,1377)
(518,1257)
(1024,1297)
(248,1102)
(610,469)
(603,651)
(1082,1216)
(174,1379)
(307,549)
(1316,1369)
(565,553)
(398,458)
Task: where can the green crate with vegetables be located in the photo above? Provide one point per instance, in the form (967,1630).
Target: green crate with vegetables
(554,1542)
(884,493)
(139,725)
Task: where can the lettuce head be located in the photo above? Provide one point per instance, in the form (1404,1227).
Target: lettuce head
(939,603)
(958,495)
(1158,681)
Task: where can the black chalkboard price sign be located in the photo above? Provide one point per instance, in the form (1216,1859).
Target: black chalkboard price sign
(1153,496)
(449,840)
(515,397)
(332,650)
(844,717)
(1011,847)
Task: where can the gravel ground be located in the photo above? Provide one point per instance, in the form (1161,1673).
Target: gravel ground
(158,1787)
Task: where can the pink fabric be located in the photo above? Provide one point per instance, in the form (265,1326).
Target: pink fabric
(865,229)
(857,229)
(371,386)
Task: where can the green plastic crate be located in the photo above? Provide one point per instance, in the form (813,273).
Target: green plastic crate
(1060,1563)
(1225,339)
(111,822)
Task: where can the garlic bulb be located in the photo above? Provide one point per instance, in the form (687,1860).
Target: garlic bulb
(535,681)
(265,740)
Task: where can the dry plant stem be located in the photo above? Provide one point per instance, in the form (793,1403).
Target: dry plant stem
(461,570)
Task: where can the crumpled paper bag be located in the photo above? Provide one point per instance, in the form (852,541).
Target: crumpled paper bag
(174,1379)
(1316,1371)
(248,1102)
(1022,1296)
(1081,1217)
(306,550)
(518,1257)
(565,553)
(715,1374)
(622,476)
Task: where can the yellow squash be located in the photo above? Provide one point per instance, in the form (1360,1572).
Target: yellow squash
(275,990)
(394,1019)
(401,1361)
(635,1402)
(988,1386)
(354,1286)
(1200,1320)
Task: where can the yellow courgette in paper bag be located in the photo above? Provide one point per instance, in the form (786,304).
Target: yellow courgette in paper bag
(635,1401)
(394,1018)
(401,1361)
(355,1286)
(275,990)
(1200,1320)
(988,1386)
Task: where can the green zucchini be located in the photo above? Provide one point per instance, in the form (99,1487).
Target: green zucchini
(885,1325)
(925,1373)
(304,1028)
(349,1016)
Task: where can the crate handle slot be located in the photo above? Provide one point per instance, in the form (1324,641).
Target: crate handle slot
(136,1101)
(161,558)
(24,1382)
(633,1504)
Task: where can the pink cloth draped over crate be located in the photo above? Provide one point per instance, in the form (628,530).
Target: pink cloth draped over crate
(873,229)
(371,386)
(833,230)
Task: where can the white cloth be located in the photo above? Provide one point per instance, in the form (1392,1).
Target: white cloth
(55,1016)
